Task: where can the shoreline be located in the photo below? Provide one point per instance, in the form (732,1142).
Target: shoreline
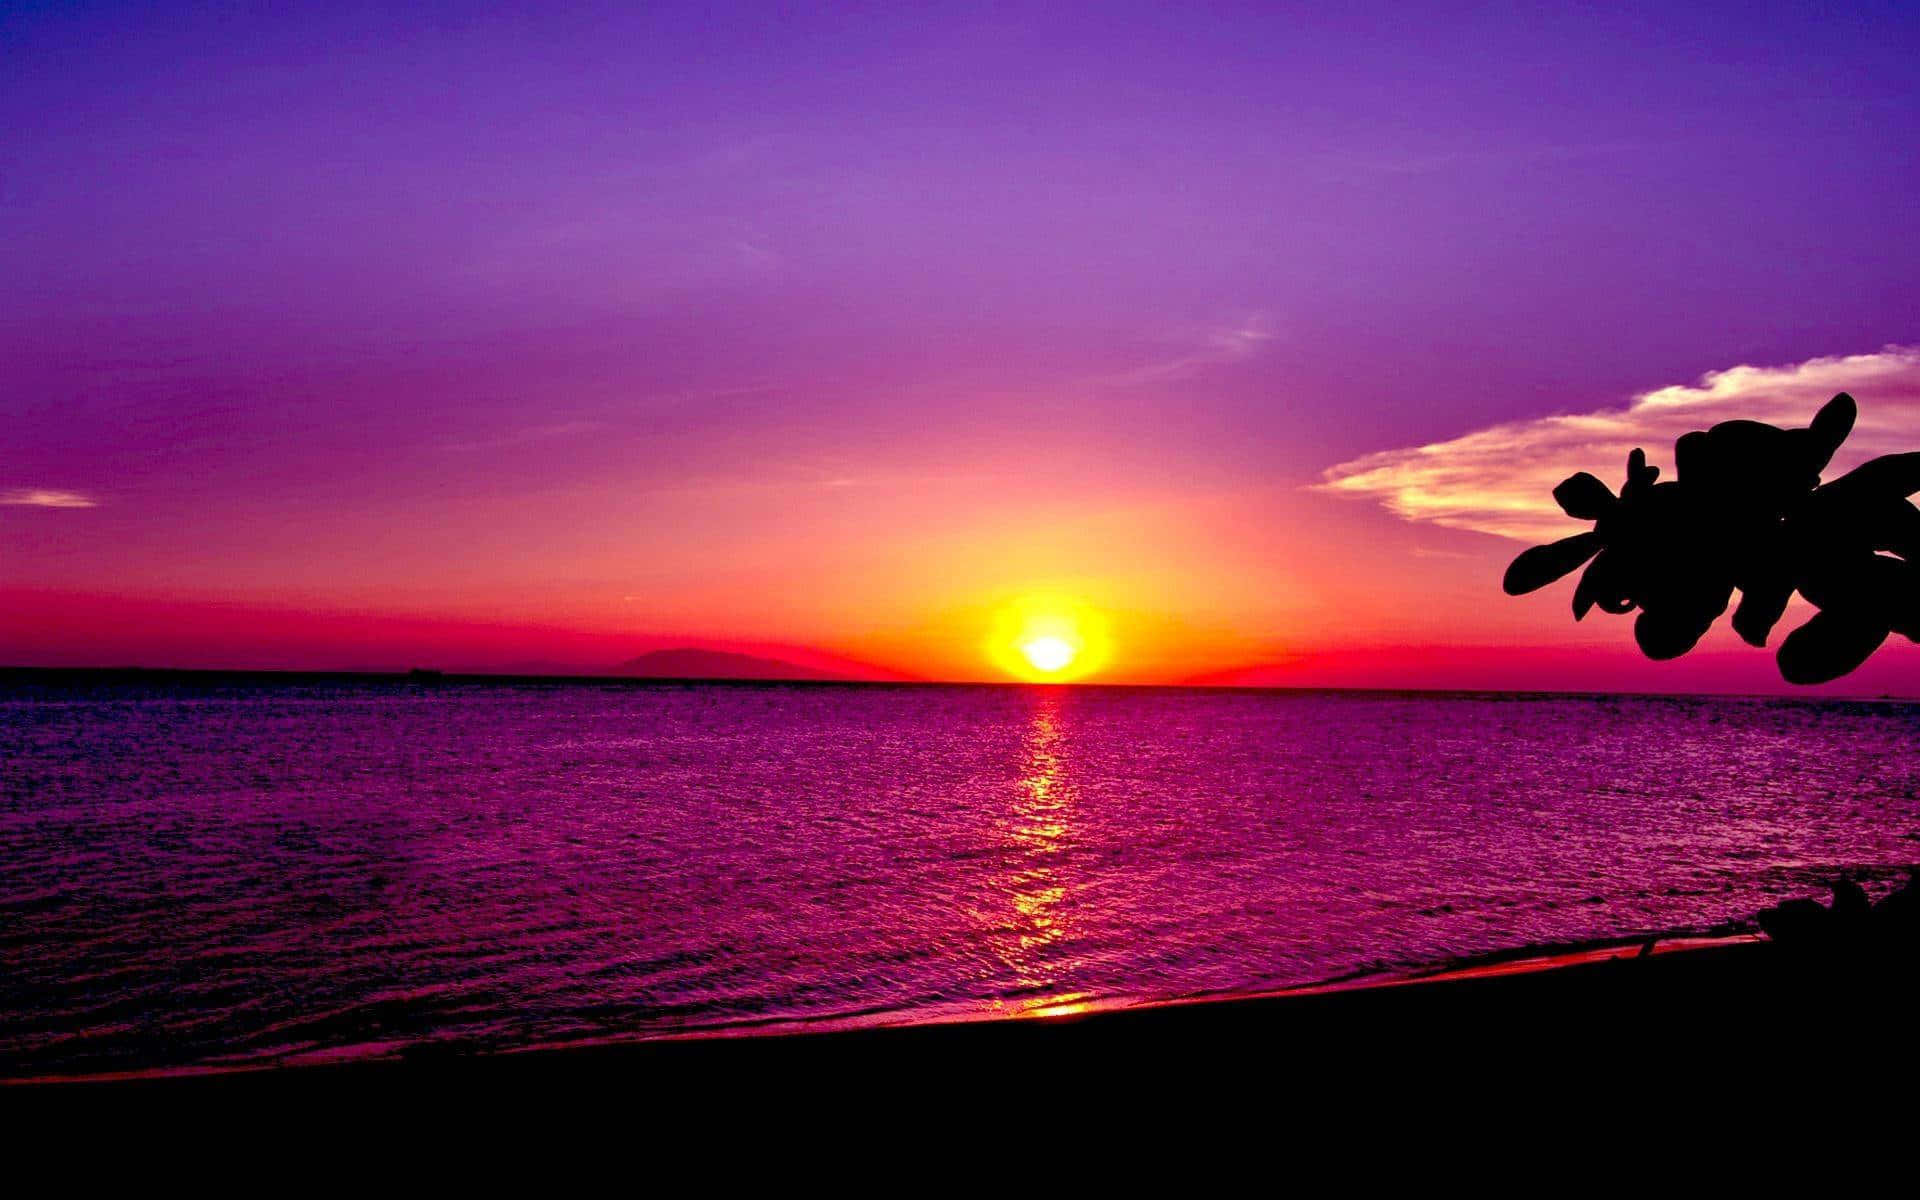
(1674,973)
(1488,1066)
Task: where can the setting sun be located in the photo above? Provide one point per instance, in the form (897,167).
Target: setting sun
(1049,654)
(1048,639)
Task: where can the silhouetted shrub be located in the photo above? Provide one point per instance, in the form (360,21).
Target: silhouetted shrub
(1747,512)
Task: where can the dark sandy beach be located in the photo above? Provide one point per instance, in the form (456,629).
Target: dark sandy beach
(1686,1027)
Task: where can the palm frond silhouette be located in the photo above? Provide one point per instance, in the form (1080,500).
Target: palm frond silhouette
(1747,512)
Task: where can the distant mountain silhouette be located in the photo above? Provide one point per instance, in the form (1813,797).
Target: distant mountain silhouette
(690,662)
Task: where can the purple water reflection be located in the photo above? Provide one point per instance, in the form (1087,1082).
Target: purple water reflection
(202,874)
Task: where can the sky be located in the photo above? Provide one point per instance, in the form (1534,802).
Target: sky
(344,336)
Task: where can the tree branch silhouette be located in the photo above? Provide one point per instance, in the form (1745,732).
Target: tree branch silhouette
(1747,512)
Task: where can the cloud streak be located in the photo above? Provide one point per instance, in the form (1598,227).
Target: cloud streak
(46,498)
(1499,480)
(1227,344)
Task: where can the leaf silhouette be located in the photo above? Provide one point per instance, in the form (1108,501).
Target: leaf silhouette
(1830,645)
(1584,497)
(1761,605)
(1830,427)
(1540,566)
(1665,634)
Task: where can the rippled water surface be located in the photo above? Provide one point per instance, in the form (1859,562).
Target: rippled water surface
(202,874)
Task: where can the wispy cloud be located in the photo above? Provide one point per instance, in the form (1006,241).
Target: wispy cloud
(47,498)
(1223,344)
(1499,480)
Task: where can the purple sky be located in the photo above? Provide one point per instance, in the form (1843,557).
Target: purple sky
(829,328)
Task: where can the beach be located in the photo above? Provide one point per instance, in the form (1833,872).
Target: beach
(1596,1021)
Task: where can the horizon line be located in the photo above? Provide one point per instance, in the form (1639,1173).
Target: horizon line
(428,676)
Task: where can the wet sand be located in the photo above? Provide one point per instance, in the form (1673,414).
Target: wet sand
(1706,1016)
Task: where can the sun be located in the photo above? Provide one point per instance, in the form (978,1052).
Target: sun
(1048,639)
(1049,654)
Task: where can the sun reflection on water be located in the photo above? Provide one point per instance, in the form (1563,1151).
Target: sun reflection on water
(1037,828)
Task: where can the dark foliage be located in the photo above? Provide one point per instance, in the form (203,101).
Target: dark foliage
(1748,513)
(1850,923)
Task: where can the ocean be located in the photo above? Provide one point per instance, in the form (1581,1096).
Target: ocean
(224,871)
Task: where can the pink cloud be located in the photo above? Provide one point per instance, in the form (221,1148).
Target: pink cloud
(46,498)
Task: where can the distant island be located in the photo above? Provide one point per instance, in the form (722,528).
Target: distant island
(693,663)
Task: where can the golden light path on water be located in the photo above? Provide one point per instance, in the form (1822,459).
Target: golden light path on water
(1038,822)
